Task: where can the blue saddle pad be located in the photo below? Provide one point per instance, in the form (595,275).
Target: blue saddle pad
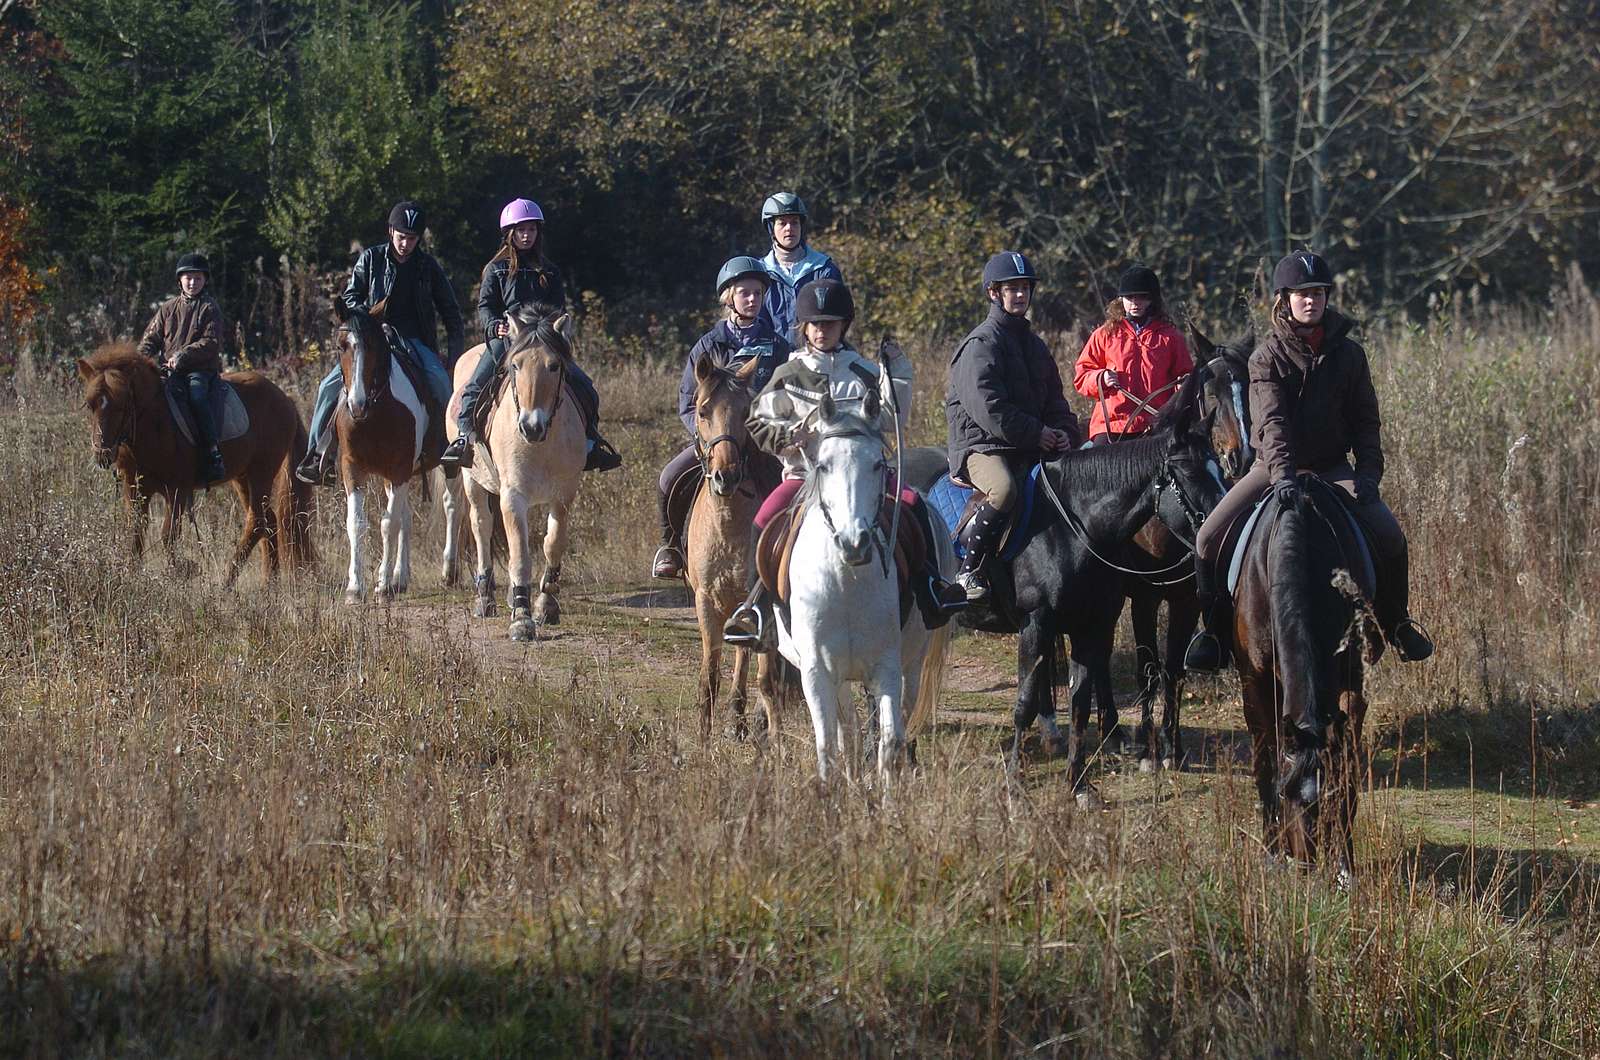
(950,501)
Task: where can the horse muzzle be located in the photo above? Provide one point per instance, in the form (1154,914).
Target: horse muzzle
(533,426)
(855,544)
(724,483)
(358,408)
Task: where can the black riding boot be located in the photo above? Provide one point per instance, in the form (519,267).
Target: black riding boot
(1392,607)
(750,625)
(603,456)
(979,538)
(1208,650)
(668,562)
(946,597)
(209,468)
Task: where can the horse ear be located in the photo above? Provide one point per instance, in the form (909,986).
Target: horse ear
(871,405)
(827,409)
(563,326)
(1202,344)
(746,372)
(703,369)
(1247,345)
(85,372)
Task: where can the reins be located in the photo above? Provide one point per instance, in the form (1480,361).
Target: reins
(1076,526)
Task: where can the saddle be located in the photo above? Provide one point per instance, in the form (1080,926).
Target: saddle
(956,501)
(1352,535)
(227,409)
(775,548)
(762,469)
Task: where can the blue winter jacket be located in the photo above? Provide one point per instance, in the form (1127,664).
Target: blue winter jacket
(730,347)
(779,304)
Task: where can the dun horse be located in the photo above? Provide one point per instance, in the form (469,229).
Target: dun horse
(719,544)
(380,427)
(132,429)
(534,454)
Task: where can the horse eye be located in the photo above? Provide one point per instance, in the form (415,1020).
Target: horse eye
(105,401)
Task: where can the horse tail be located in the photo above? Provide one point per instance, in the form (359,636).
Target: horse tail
(292,502)
(926,708)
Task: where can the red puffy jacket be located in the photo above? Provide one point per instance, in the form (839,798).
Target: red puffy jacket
(1144,361)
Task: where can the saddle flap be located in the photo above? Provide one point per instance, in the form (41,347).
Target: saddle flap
(680,500)
(227,409)
(773,548)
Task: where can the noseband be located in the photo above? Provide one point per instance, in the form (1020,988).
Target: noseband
(130,425)
(703,451)
(516,396)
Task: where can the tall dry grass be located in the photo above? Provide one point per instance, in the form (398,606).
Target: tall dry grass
(259,824)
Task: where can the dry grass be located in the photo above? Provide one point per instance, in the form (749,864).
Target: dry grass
(261,824)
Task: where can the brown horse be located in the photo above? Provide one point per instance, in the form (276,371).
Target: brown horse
(131,428)
(380,426)
(1302,636)
(719,544)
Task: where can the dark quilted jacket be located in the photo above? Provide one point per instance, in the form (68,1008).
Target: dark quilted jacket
(1004,388)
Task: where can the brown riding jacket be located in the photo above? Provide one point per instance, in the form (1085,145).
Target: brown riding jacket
(190,328)
(1311,409)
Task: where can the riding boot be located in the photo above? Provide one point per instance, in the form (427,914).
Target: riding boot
(946,597)
(750,625)
(979,538)
(1208,649)
(603,456)
(668,562)
(1392,608)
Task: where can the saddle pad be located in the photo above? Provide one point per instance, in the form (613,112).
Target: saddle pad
(1366,577)
(776,546)
(227,409)
(953,502)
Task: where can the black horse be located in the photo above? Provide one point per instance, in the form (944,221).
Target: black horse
(1067,580)
(1164,557)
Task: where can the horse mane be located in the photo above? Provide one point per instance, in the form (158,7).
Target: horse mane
(124,355)
(536,327)
(1109,467)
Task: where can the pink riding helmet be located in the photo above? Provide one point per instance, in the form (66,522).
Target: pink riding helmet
(520,210)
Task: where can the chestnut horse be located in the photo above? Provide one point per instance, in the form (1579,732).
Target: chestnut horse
(534,455)
(719,543)
(131,428)
(380,426)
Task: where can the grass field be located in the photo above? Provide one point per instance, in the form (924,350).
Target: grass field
(259,823)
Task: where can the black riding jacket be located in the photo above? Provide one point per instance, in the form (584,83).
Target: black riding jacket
(373,278)
(503,290)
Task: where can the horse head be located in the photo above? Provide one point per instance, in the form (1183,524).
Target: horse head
(1190,482)
(1224,399)
(111,396)
(848,475)
(722,406)
(540,351)
(363,359)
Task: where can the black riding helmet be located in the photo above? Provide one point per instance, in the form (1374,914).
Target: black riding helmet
(407,216)
(1301,270)
(193,261)
(825,299)
(1006,266)
(1139,279)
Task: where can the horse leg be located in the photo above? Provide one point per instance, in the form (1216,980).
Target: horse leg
(768,680)
(178,503)
(355,527)
(1183,615)
(254,529)
(822,696)
(546,609)
(706,612)
(138,510)
(1261,716)
(514,510)
(1146,607)
(481,513)
(1348,756)
(1085,681)
(450,498)
(1034,677)
(738,683)
(885,686)
(394,568)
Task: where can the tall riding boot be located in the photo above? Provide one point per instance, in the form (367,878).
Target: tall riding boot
(750,625)
(668,562)
(946,598)
(209,467)
(1208,650)
(979,538)
(603,456)
(1392,607)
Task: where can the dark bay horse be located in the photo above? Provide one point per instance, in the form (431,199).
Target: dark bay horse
(131,428)
(1223,393)
(1066,578)
(1302,634)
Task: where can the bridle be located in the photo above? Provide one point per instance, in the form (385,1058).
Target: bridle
(130,426)
(879,535)
(358,353)
(516,395)
(703,451)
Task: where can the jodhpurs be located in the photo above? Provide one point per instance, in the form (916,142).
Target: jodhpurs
(992,475)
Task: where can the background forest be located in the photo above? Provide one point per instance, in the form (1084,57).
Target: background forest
(1429,147)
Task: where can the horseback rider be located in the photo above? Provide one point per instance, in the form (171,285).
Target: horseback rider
(791,262)
(184,338)
(412,287)
(1311,404)
(520,276)
(780,422)
(744,333)
(1135,356)
(1006,407)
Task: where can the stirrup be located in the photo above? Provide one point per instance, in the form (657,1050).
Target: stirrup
(602,456)
(1411,642)
(1204,655)
(951,597)
(746,627)
(457,454)
(668,562)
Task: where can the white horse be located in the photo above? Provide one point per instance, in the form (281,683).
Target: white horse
(844,599)
(535,455)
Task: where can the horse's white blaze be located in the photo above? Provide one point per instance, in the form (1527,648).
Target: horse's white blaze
(400,386)
(355,522)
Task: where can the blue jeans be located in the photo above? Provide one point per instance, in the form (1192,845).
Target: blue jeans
(332,383)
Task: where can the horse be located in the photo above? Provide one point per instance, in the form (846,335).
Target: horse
(380,426)
(533,454)
(1302,634)
(1097,500)
(1156,550)
(843,621)
(718,544)
(131,428)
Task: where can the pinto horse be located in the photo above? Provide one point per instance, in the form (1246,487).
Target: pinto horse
(719,545)
(1066,579)
(1156,552)
(1302,634)
(380,426)
(131,428)
(534,454)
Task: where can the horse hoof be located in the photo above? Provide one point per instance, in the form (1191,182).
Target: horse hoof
(483,609)
(451,576)
(522,628)
(738,732)
(352,598)
(546,611)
